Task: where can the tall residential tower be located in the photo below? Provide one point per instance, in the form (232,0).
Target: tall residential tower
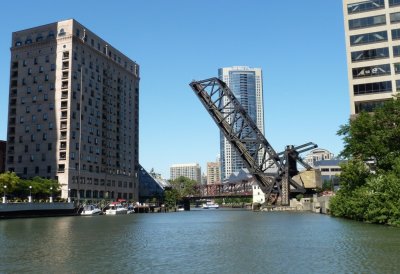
(73,112)
(373,51)
(246,84)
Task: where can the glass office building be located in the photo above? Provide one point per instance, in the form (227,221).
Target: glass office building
(246,84)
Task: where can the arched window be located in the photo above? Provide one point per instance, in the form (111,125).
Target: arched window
(61,32)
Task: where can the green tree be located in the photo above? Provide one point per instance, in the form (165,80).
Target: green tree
(374,137)
(171,197)
(42,187)
(370,180)
(184,186)
(10,180)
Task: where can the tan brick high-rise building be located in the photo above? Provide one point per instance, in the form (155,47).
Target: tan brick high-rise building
(213,173)
(74,112)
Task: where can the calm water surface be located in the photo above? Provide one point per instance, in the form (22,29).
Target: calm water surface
(199,241)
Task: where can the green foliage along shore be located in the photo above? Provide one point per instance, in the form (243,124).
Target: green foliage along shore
(18,189)
(370,180)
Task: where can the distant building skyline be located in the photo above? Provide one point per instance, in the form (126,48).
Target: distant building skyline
(247,85)
(317,154)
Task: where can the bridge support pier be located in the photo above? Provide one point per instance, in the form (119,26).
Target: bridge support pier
(186,204)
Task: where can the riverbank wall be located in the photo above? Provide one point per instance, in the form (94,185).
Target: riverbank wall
(316,204)
(22,210)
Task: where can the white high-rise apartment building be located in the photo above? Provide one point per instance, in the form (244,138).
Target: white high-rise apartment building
(246,84)
(74,112)
(373,51)
(191,171)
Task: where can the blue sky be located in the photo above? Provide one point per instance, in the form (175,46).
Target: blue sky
(298,44)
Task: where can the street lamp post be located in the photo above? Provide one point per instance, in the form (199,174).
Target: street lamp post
(51,194)
(30,194)
(5,197)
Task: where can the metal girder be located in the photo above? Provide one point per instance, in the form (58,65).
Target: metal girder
(243,134)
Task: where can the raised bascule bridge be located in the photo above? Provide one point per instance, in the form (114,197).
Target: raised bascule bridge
(276,173)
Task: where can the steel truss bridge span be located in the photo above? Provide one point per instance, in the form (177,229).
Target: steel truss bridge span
(273,171)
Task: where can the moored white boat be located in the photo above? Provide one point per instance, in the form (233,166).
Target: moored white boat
(210,205)
(116,209)
(90,210)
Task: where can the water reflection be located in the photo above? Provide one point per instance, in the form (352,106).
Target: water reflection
(219,241)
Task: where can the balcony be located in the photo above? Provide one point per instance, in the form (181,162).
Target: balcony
(65,65)
(65,55)
(64,84)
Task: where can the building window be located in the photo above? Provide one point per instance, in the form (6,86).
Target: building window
(371,88)
(61,168)
(377,70)
(394,3)
(396,51)
(367,38)
(395,17)
(367,22)
(63,155)
(366,6)
(367,106)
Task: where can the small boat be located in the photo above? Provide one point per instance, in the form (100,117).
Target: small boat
(180,208)
(91,210)
(116,208)
(130,209)
(210,205)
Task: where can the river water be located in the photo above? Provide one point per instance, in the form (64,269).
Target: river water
(199,241)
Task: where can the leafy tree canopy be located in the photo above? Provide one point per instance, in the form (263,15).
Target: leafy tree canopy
(374,137)
(370,180)
(184,186)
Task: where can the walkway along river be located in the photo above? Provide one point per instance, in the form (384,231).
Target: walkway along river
(198,241)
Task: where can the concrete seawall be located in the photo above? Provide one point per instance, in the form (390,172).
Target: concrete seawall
(315,204)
